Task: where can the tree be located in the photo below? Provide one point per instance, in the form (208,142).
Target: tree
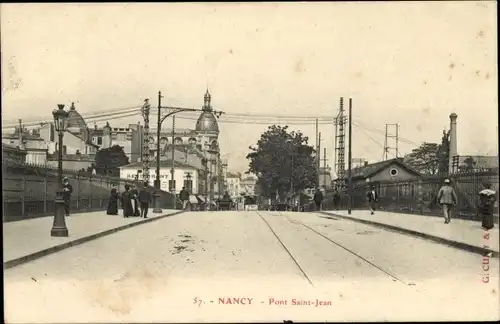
(280,158)
(468,165)
(444,153)
(108,160)
(425,158)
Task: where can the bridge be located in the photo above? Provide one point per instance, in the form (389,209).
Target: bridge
(250,266)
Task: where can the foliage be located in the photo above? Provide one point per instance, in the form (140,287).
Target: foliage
(108,160)
(468,165)
(281,157)
(444,153)
(430,158)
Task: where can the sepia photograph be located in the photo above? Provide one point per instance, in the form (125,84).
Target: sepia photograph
(218,162)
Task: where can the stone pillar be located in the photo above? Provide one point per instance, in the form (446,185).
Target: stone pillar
(453,142)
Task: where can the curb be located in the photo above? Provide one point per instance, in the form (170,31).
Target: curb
(36,255)
(458,245)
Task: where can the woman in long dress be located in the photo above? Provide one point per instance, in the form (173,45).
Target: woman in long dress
(487,206)
(127,202)
(113,202)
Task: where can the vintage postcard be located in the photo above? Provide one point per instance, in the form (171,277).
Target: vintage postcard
(244,162)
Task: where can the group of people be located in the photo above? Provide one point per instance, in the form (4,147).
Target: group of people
(447,199)
(133,202)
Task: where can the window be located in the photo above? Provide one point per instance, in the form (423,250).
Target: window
(64,149)
(393,172)
(99,140)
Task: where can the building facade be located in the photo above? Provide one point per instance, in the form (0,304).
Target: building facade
(234,184)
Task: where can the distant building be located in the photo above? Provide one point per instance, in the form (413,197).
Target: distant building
(13,154)
(389,170)
(234,184)
(247,185)
(133,171)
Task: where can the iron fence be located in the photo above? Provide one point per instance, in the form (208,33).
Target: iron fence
(29,191)
(419,195)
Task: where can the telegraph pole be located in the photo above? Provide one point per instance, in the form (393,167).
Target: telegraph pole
(145,155)
(391,135)
(172,171)
(349,162)
(324,167)
(318,154)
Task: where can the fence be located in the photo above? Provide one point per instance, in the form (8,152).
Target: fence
(418,195)
(29,191)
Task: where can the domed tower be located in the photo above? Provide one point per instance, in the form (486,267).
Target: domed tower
(76,124)
(207,127)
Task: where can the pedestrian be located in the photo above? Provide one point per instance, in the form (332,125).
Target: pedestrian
(144,200)
(336,199)
(447,199)
(487,198)
(184,197)
(372,196)
(127,202)
(113,202)
(134,195)
(318,199)
(67,191)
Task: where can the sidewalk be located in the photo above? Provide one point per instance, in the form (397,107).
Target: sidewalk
(26,240)
(463,234)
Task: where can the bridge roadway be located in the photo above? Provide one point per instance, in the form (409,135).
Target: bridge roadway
(185,268)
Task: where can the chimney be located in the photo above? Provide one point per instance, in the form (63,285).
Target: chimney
(453,141)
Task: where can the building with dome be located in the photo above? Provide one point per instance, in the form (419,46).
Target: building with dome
(40,144)
(192,147)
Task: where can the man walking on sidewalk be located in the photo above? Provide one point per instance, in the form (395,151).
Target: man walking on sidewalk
(372,199)
(318,199)
(144,200)
(184,197)
(447,199)
(67,191)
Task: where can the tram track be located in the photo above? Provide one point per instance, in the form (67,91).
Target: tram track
(309,229)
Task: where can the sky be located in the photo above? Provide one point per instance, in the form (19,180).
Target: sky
(407,63)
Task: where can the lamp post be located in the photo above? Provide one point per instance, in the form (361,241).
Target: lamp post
(169,112)
(204,162)
(137,175)
(189,186)
(59,228)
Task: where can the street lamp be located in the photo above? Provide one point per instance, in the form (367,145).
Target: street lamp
(137,175)
(59,228)
(170,111)
(188,178)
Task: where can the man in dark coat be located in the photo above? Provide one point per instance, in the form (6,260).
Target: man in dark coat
(318,198)
(67,191)
(184,197)
(372,196)
(144,200)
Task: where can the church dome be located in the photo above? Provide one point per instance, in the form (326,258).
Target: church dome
(207,122)
(76,123)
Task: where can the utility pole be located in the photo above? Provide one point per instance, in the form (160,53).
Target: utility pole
(146,108)
(349,162)
(172,171)
(318,160)
(391,135)
(340,123)
(324,168)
